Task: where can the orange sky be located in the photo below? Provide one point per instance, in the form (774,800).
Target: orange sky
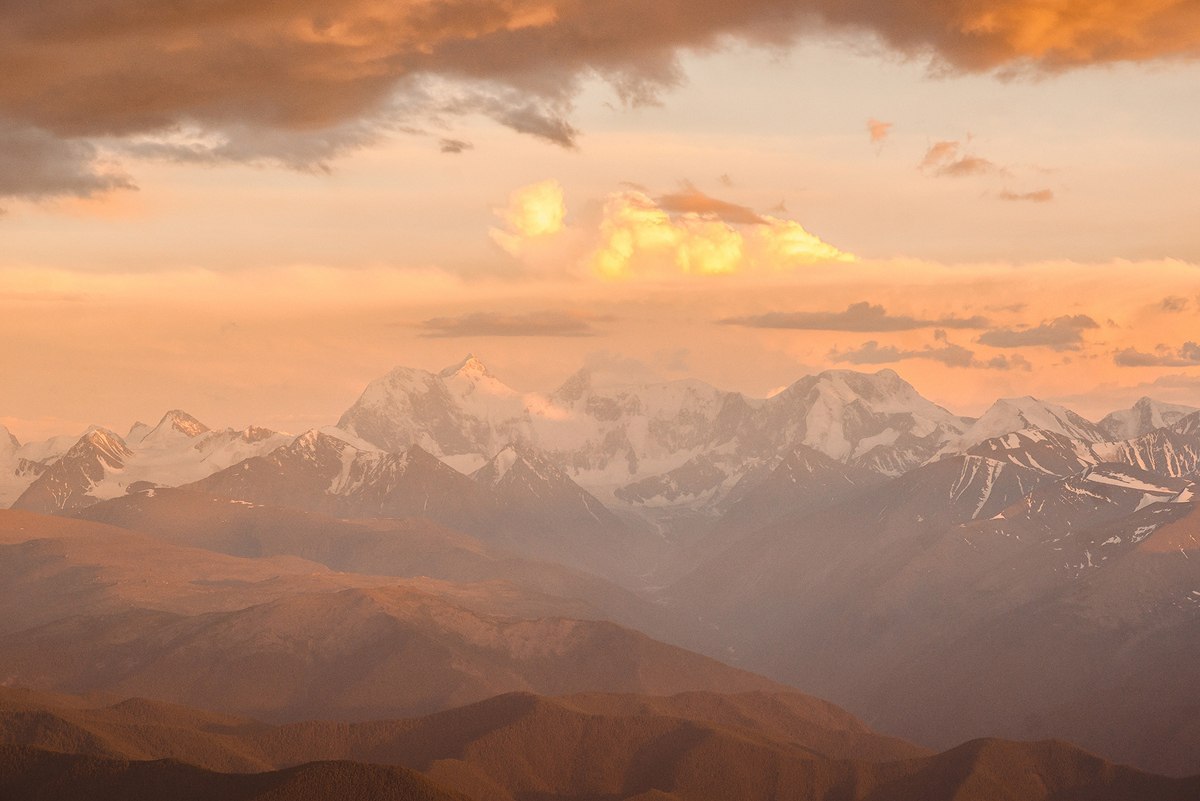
(991,197)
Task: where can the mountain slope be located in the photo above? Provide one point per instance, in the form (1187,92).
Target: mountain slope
(356,654)
(408,548)
(28,774)
(703,747)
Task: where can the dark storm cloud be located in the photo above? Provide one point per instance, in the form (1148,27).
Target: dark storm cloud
(89,69)
(863,317)
(496,324)
(36,164)
(1062,333)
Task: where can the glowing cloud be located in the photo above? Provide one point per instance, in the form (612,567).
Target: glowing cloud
(533,212)
(640,237)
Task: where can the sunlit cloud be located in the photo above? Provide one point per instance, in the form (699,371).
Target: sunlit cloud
(533,212)
(878,130)
(640,237)
(1037,196)
(948,159)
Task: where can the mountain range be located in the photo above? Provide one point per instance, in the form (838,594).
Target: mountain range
(1026,574)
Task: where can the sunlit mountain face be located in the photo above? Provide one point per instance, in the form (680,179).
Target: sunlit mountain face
(654,401)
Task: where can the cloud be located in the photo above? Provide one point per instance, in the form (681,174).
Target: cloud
(863,317)
(1062,333)
(1173,304)
(454,146)
(253,70)
(533,212)
(944,159)
(495,324)
(1038,196)
(878,130)
(36,165)
(1186,355)
(693,201)
(637,236)
(946,353)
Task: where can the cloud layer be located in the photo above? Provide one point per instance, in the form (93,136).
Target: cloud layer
(1186,355)
(496,324)
(305,79)
(863,317)
(1061,333)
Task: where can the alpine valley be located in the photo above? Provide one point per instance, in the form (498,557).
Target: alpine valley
(458,589)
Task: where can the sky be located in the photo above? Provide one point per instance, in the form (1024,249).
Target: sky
(249,210)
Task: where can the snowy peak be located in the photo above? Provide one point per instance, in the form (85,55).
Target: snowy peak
(182,422)
(102,444)
(8,445)
(519,462)
(574,388)
(464,411)
(1010,415)
(1143,417)
(174,426)
(74,480)
(470,368)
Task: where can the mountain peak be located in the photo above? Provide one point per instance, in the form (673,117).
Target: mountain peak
(8,443)
(469,367)
(108,444)
(181,422)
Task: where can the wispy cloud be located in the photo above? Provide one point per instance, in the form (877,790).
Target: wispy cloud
(878,130)
(1185,355)
(946,353)
(1061,333)
(863,317)
(947,158)
(454,145)
(498,324)
(693,201)
(1038,196)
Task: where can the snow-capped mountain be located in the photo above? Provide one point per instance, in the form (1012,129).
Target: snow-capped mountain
(21,464)
(1143,417)
(71,482)
(103,465)
(1009,415)
(1048,452)
(462,414)
(335,473)
(679,443)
